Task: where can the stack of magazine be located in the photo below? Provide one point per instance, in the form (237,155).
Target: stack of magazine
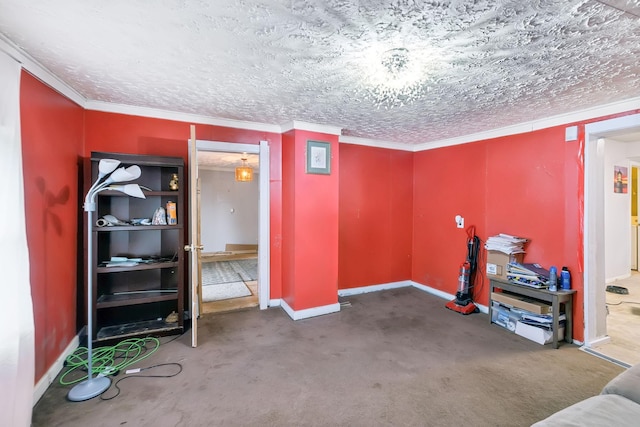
(532,275)
(506,243)
(542,321)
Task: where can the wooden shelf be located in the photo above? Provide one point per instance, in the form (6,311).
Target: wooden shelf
(133,300)
(108,301)
(111,193)
(113,228)
(139,267)
(146,327)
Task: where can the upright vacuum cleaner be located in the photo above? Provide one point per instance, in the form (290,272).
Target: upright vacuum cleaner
(463,303)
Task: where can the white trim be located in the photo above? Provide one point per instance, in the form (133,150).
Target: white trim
(598,342)
(403,284)
(595,328)
(40,71)
(264,228)
(227,147)
(433,291)
(264,205)
(275,302)
(621,277)
(373,288)
(483,308)
(155,113)
(558,120)
(45,75)
(345,139)
(309,312)
(446,296)
(311,127)
(49,377)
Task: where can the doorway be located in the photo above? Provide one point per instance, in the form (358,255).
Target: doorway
(245,249)
(612,321)
(229,213)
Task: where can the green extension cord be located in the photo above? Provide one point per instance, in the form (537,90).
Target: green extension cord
(109,360)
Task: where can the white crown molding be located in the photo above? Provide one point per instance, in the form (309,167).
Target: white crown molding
(311,127)
(559,120)
(345,139)
(39,71)
(46,76)
(107,107)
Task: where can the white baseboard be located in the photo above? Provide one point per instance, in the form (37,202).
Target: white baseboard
(402,284)
(598,341)
(309,312)
(43,384)
(433,291)
(373,288)
(446,296)
(274,302)
(616,278)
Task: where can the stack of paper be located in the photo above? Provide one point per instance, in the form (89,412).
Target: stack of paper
(123,261)
(506,244)
(533,275)
(541,320)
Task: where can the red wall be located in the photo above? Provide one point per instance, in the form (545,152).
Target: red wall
(525,185)
(375,216)
(122,133)
(447,182)
(51,146)
(288,217)
(310,218)
(56,134)
(389,213)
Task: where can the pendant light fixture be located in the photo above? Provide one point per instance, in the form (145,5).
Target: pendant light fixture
(244,173)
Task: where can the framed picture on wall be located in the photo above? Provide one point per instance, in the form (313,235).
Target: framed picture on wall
(620,179)
(318,157)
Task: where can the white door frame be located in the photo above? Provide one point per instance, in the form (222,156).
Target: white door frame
(595,311)
(264,257)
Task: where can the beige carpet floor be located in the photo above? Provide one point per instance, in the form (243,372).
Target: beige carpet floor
(393,358)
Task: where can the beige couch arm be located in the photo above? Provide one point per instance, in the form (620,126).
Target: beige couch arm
(627,384)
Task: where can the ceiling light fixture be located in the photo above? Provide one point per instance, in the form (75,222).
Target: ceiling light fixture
(395,78)
(244,173)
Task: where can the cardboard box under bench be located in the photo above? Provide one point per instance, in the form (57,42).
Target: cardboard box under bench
(519,301)
(539,335)
(497,263)
(510,319)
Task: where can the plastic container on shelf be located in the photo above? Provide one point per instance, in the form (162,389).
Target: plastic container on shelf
(565,278)
(553,278)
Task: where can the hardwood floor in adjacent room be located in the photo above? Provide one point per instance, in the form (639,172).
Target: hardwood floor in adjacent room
(623,322)
(233,304)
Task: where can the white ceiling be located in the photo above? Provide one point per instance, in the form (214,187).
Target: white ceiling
(475,65)
(215,160)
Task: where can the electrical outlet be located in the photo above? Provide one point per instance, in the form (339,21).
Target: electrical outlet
(459,221)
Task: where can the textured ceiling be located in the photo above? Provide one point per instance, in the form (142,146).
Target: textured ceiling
(471,65)
(227,161)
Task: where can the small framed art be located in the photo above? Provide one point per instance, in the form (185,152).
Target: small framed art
(620,179)
(318,157)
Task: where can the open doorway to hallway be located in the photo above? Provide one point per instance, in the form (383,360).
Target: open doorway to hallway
(623,321)
(612,282)
(229,232)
